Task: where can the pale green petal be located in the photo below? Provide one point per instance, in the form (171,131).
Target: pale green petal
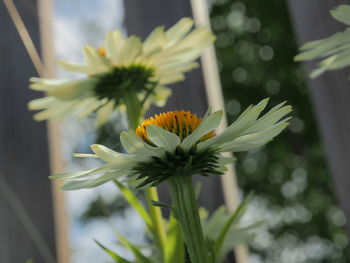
(110,156)
(133,144)
(41,103)
(84,155)
(254,140)
(70,175)
(163,138)
(64,89)
(179,30)
(75,68)
(244,121)
(130,50)
(88,173)
(96,62)
(58,112)
(208,124)
(161,94)
(104,113)
(91,107)
(168,79)
(114,43)
(155,40)
(269,119)
(198,39)
(81,184)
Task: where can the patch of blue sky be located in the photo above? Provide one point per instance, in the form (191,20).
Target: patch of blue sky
(77,23)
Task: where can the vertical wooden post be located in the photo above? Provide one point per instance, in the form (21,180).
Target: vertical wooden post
(216,100)
(330,93)
(56,165)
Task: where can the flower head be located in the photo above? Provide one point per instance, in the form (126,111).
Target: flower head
(180,144)
(122,67)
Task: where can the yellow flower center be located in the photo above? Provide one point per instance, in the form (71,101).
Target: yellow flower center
(101,51)
(182,123)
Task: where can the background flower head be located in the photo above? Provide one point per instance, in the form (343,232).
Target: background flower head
(123,67)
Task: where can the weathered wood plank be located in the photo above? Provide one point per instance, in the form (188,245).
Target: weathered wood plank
(24,163)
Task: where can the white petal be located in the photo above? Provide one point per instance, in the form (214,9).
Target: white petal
(254,140)
(58,112)
(84,155)
(104,113)
(179,30)
(208,124)
(155,40)
(97,63)
(80,184)
(114,43)
(130,50)
(244,121)
(64,89)
(110,156)
(41,103)
(270,118)
(76,68)
(91,107)
(163,138)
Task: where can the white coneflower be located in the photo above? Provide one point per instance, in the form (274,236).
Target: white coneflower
(173,147)
(124,71)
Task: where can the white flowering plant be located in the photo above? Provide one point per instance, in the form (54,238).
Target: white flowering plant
(170,148)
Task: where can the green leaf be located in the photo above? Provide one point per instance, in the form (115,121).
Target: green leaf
(135,203)
(175,248)
(235,237)
(231,220)
(140,258)
(113,254)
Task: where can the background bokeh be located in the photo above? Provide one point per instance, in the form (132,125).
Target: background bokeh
(293,188)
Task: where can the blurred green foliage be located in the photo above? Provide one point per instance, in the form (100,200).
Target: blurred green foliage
(294,190)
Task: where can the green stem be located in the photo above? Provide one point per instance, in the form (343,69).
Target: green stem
(134,113)
(186,212)
(133,109)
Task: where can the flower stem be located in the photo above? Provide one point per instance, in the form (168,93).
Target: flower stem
(133,109)
(186,212)
(134,115)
